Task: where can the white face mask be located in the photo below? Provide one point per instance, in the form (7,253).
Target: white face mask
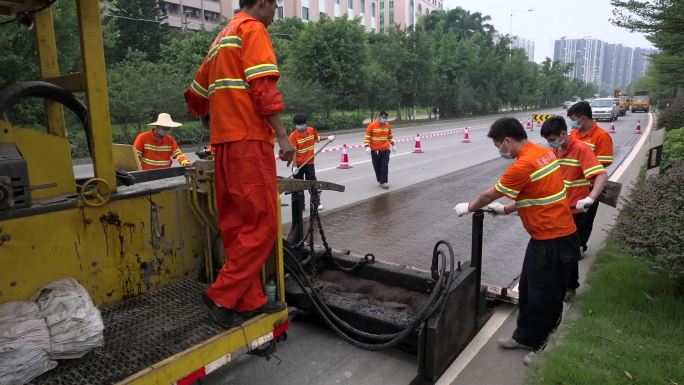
(163,132)
(505,155)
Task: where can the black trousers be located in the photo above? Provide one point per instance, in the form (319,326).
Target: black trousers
(306,172)
(381,164)
(542,288)
(572,268)
(584,230)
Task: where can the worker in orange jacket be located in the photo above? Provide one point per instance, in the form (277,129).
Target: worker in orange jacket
(587,131)
(236,86)
(156,147)
(304,139)
(379,142)
(535,184)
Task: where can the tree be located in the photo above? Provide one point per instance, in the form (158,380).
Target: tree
(138,25)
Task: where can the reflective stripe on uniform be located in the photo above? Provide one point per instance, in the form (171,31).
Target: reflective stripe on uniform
(310,137)
(304,150)
(232,41)
(569,162)
(576,183)
(544,171)
(199,90)
(605,158)
(506,191)
(591,145)
(260,69)
(555,198)
(156,162)
(156,148)
(594,170)
(379,138)
(176,153)
(219,84)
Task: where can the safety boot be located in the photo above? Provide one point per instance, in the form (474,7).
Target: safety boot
(267,308)
(225,318)
(529,357)
(510,343)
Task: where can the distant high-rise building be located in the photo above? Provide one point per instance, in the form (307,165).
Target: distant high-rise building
(610,66)
(526,45)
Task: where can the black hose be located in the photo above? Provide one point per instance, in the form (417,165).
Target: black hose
(334,322)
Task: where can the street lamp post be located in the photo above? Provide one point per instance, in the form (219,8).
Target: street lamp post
(511,29)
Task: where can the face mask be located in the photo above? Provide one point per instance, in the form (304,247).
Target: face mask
(574,124)
(505,155)
(556,144)
(301,127)
(383,120)
(163,132)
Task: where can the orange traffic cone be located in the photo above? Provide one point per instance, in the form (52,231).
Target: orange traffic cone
(344,162)
(637,130)
(417,149)
(529,124)
(466,135)
(612,128)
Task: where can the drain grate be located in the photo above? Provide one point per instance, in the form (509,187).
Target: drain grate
(139,332)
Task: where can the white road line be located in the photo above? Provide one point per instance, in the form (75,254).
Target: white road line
(635,151)
(474,347)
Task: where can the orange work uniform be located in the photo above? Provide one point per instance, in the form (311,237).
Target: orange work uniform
(157,153)
(304,143)
(535,182)
(236,86)
(378,136)
(536,185)
(599,141)
(579,166)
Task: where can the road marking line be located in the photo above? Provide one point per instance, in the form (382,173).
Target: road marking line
(617,174)
(474,347)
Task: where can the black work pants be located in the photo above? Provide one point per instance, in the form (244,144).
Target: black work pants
(306,172)
(584,230)
(572,267)
(542,288)
(381,164)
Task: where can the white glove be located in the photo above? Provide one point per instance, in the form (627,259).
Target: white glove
(368,150)
(461,209)
(583,204)
(294,170)
(498,208)
(394,149)
(331,138)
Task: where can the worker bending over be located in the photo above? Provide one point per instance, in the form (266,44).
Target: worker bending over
(535,184)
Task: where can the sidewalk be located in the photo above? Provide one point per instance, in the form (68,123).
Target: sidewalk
(483,362)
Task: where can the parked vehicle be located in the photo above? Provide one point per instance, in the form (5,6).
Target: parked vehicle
(605,109)
(641,102)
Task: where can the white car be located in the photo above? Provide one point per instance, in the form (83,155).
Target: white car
(604,109)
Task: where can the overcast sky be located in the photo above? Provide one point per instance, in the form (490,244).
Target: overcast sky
(551,20)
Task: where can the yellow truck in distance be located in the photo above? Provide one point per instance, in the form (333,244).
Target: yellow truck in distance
(640,102)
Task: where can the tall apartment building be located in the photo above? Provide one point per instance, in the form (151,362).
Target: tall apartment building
(610,66)
(375,15)
(526,45)
(196,14)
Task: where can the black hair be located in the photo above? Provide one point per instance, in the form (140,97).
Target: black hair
(299,118)
(250,3)
(382,113)
(507,128)
(553,126)
(581,109)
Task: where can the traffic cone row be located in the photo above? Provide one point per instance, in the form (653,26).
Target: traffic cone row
(637,129)
(344,162)
(612,128)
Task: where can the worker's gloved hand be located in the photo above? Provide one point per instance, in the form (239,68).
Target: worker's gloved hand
(394,149)
(186,163)
(331,138)
(497,208)
(583,204)
(368,150)
(294,170)
(461,209)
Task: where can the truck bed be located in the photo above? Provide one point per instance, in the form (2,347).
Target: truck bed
(140,332)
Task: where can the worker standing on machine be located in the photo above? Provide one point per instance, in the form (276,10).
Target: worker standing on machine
(378,142)
(304,139)
(591,134)
(236,86)
(580,169)
(535,183)
(156,148)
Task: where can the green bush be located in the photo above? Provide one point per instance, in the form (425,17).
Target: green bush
(673,117)
(335,123)
(650,225)
(673,149)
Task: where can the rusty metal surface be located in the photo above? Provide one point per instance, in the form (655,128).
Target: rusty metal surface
(402,226)
(139,332)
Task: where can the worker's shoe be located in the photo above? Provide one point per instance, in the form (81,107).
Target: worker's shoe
(225,318)
(529,357)
(384,185)
(320,207)
(583,252)
(267,308)
(569,295)
(510,343)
